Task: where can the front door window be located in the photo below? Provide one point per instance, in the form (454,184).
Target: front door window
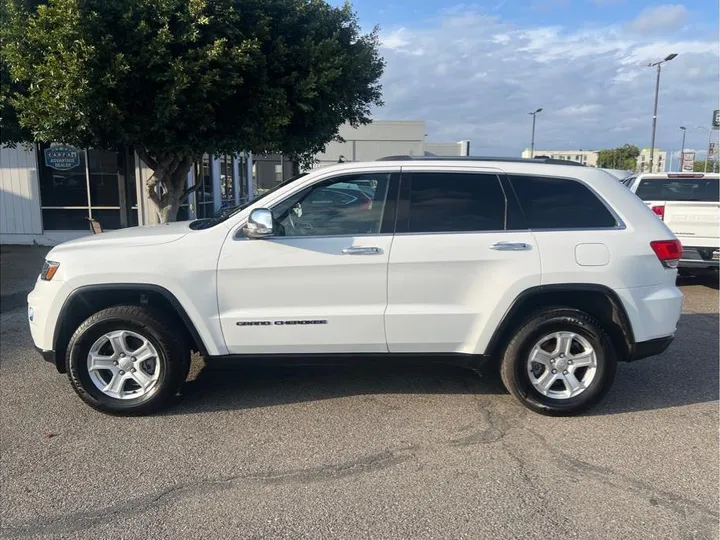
(349,205)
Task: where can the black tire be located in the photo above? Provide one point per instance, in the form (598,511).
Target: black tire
(513,366)
(173,355)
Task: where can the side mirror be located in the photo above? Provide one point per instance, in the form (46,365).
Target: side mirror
(260,224)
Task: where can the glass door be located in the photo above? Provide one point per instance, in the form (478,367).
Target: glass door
(204,194)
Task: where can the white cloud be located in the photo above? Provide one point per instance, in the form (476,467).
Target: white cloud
(579,110)
(395,40)
(477,76)
(662,18)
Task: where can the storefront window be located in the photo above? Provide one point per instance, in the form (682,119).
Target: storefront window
(78,184)
(204,194)
(64,188)
(227,188)
(103,168)
(242,178)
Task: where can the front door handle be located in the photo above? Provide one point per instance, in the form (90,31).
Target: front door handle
(355,250)
(510,246)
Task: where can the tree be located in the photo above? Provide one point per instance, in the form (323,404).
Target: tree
(176,79)
(11,132)
(699,166)
(623,157)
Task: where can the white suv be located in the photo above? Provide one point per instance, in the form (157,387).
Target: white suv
(554,272)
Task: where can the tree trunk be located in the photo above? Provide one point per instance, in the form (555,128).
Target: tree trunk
(166,187)
(170,206)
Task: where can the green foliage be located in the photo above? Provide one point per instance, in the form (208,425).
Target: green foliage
(623,157)
(179,78)
(712,166)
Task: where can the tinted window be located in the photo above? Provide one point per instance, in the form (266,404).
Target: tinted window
(559,203)
(103,167)
(678,189)
(352,204)
(449,202)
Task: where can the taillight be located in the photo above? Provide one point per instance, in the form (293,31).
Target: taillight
(659,211)
(668,252)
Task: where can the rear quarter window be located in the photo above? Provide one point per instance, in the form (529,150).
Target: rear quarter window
(678,189)
(560,203)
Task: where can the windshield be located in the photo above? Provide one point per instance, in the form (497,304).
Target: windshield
(230,211)
(679,189)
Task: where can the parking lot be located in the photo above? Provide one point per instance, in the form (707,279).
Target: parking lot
(361,452)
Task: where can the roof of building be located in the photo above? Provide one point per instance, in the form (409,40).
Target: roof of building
(539,159)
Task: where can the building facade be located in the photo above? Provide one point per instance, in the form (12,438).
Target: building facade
(386,138)
(659,161)
(50,192)
(586,157)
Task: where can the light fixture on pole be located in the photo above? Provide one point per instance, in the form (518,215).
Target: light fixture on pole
(532,142)
(682,148)
(657,90)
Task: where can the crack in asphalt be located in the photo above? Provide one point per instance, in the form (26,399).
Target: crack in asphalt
(78,521)
(499,426)
(616,480)
(562,525)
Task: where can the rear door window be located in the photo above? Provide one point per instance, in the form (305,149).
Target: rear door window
(559,203)
(678,189)
(453,202)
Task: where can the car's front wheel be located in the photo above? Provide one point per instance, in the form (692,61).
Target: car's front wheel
(560,362)
(127,360)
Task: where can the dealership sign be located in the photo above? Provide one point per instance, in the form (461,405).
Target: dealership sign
(62,158)
(716,119)
(688,161)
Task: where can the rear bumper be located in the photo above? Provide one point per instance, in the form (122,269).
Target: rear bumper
(653,311)
(653,347)
(699,257)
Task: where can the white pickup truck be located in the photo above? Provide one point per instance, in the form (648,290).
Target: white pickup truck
(688,204)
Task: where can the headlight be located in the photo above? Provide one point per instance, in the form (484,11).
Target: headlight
(48,270)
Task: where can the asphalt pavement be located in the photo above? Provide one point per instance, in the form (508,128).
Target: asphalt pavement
(363,452)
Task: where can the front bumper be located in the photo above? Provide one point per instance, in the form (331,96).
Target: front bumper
(48,356)
(653,347)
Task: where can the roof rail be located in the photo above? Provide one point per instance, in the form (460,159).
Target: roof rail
(538,159)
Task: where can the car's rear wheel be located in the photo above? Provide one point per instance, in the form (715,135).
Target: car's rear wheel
(560,362)
(127,360)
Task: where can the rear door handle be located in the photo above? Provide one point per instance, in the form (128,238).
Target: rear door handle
(510,246)
(355,250)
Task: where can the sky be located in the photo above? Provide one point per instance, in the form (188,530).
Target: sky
(474,71)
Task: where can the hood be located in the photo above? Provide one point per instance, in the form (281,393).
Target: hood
(131,236)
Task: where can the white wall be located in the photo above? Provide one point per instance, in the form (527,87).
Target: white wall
(19,192)
(376,140)
(459,149)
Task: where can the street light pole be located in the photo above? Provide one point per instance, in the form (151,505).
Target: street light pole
(682,148)
(532,142)
(657,91)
